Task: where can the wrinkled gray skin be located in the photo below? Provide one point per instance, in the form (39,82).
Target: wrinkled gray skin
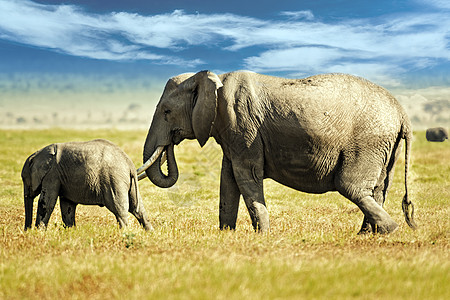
(438,134)
(324,133)
(92,173)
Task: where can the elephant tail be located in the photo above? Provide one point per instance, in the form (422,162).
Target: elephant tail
(407,205)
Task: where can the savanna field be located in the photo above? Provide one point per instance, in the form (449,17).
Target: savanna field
(312,251)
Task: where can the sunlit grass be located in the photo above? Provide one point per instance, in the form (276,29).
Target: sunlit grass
(312,250)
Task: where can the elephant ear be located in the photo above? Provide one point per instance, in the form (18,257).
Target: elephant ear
(39,165)
(205,104)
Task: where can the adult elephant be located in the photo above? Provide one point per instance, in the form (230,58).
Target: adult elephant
(437,134)
(330,132)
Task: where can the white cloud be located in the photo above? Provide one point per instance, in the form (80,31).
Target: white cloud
(426,107)
(369,47)
(293,59)
(378,51)
(303,14)
(433,93)
(68,29)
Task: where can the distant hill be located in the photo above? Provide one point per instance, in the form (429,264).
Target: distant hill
(77,102)
(41,101)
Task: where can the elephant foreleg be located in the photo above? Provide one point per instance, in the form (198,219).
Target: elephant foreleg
(229,196)
(46,204)
(250,184)
(68,209)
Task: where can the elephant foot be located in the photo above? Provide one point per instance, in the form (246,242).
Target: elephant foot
(385,228)
(366,228)
(227,221)
(260,218)
(148,227)
(41,226)
(376,216)
(226,227)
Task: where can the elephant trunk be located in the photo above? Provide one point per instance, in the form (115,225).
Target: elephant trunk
(154,171)
(147,163)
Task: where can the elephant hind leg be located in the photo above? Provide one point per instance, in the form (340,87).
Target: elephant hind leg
(384,182)
(68,209)
(374,214)
(379,195)
(122,220)
(358,181)
(141,215)
(377,217)
(136,207)
(121,217)
(117,202)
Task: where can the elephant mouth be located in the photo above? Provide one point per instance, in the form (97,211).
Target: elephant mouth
(178,135)
(177,140)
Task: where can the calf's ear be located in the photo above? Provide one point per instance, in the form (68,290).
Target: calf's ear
(40,163)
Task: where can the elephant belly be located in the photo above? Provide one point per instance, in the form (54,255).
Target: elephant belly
(84,188)
(311,173)
(82,196)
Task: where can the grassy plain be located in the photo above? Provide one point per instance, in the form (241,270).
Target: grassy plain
(312,251)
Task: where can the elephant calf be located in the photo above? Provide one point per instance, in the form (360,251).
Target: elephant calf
(93,173)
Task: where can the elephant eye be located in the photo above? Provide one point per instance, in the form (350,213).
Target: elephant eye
(166,112)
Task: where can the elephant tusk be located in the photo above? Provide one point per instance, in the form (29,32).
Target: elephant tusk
(151,160)
(163,157)
(142,176)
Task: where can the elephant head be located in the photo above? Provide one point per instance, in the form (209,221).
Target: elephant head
(34,170)
(186,110)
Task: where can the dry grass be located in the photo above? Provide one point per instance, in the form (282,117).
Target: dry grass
(311,252)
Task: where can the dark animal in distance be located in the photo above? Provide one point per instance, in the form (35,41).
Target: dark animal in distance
(437,134)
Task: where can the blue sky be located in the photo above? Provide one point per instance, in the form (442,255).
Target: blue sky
(399,44)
